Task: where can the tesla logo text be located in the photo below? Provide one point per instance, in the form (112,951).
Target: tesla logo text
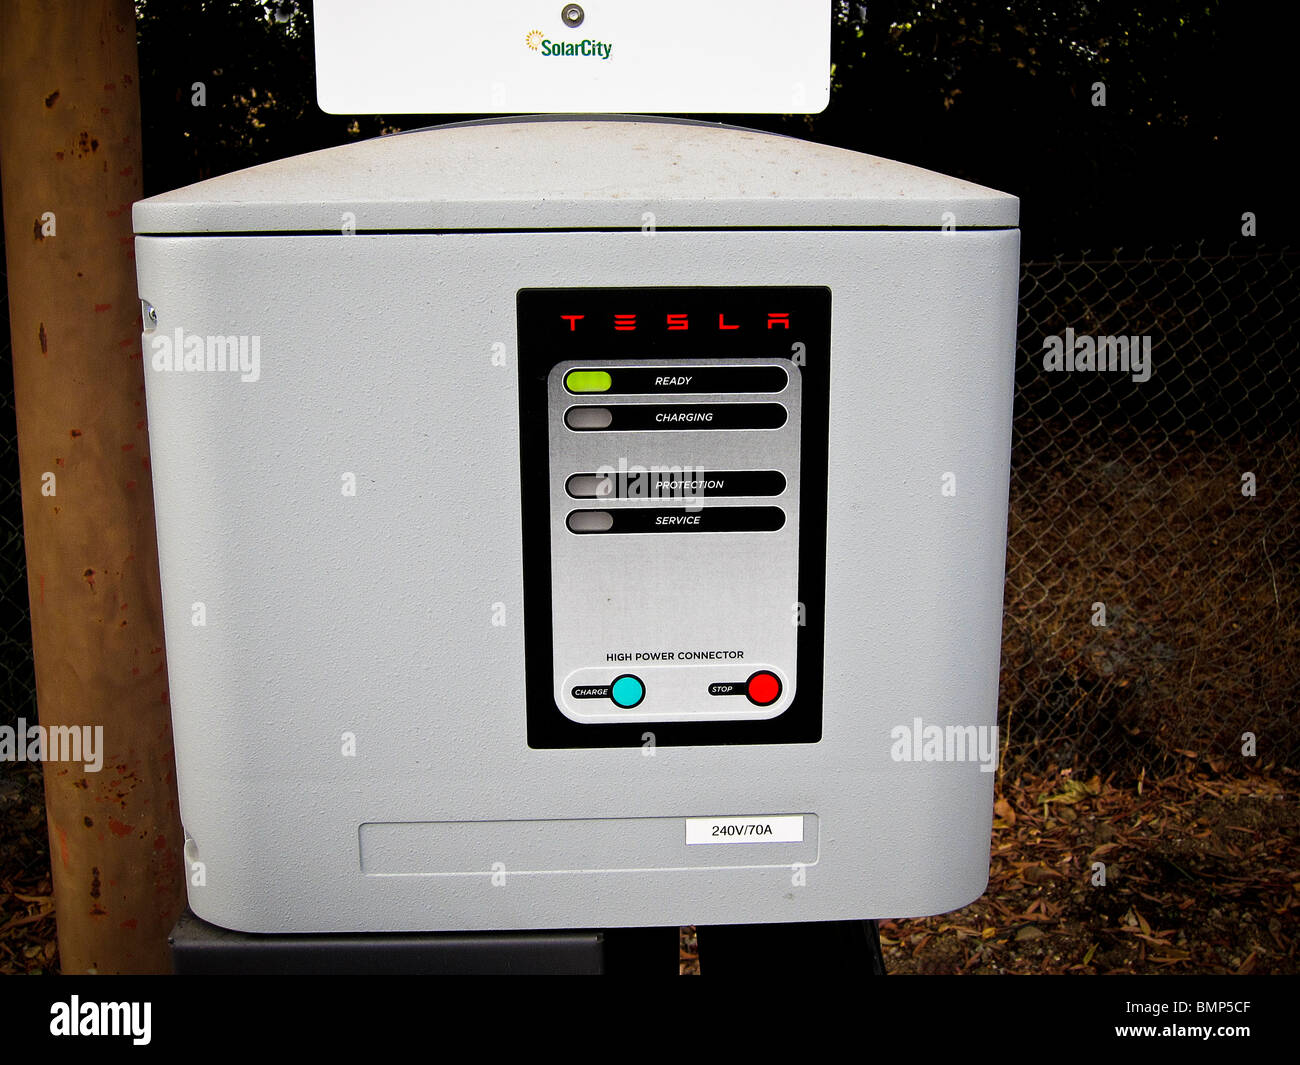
(630,323)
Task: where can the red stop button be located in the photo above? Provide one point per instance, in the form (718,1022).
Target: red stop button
(763,688)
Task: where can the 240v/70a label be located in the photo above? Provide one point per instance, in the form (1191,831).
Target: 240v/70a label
(783,828)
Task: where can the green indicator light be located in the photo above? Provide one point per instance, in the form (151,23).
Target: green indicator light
(587,381)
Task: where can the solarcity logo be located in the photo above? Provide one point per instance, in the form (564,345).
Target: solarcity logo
(589,48)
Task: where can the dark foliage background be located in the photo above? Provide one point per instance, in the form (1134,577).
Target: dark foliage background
(997,93)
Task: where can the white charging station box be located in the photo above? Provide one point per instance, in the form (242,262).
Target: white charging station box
(580,522)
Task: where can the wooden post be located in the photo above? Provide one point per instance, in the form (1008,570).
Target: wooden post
(70,160)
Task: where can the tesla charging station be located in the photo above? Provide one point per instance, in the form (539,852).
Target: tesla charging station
(580,522)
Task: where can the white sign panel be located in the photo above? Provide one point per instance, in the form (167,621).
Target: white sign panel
(785,828)
(543,56)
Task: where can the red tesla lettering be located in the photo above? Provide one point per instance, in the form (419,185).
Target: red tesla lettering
(624,322)
(678,321)
(722,323)
(573,320)
(776,319)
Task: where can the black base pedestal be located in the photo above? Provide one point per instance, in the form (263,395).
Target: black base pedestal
(202,948)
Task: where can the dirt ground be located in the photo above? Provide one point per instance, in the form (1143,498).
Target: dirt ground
(26,904)
(1202,875)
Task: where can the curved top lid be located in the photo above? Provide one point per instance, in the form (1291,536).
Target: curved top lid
(583,172)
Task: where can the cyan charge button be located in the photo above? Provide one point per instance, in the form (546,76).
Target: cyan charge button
(627,691)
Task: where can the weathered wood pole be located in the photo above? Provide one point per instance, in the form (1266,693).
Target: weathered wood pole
(70,165)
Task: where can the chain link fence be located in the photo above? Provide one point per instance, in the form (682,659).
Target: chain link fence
(1153,560)
(1150,604)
